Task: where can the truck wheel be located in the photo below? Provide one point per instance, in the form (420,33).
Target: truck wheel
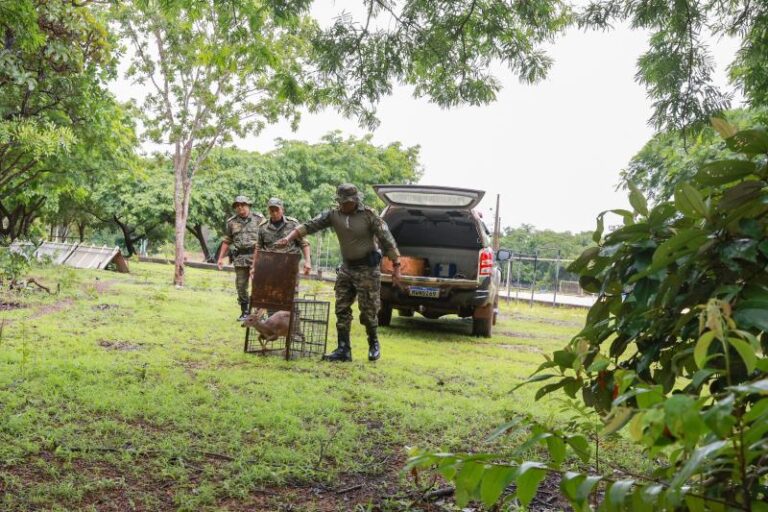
(385,314)
(482,327)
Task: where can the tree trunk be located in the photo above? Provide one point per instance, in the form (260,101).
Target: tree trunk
(197,230)
(126,236)
(81,231)
(181,196)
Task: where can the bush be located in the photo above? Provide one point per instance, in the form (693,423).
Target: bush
(675,348)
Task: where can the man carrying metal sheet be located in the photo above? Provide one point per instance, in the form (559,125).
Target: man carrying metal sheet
(360,232)
(277,226)
(241,234)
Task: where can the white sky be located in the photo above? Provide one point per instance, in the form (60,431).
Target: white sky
(553,150)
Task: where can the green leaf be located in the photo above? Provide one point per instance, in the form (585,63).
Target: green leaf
(694,462)
(735,199)
(513,425)
(723,127)
(495,480)
(598,234)
(617,494)
(690,201)
(758,411)
(759,387)
(535,378)
(700,353)
(751,318)
(529,476)
(684,242)
(580,446)
(619,418)
(580,263)
(637,200)
(722,172)
(549,388)
(749,142)
(746,352)
(695,503)
(556,447)
(564,358)
(467,482)
(632,233)
(647,397)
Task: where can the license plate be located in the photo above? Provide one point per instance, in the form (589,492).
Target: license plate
(424,291)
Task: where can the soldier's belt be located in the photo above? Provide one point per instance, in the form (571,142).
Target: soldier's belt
(371,260)
(243,252)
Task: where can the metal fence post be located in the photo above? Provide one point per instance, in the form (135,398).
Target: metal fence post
(533,281)
(509,273)
(557,279)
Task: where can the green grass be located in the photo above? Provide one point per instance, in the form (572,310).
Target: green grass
(123,391)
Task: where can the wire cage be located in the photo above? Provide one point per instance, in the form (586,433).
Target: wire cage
(308,339)
(273,288)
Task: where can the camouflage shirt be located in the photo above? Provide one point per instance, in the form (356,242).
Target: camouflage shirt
(270,233)
(241,235)
(358,232)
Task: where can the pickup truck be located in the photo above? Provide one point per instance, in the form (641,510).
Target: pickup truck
(438,227)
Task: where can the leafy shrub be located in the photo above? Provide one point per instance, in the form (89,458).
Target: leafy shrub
(675,347)
(13,266)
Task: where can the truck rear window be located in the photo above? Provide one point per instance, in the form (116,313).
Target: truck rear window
(414,228)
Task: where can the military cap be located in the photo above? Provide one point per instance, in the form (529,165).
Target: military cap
(275,201)
(241,200)
(347,192)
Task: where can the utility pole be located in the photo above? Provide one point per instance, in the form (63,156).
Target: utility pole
(496,227)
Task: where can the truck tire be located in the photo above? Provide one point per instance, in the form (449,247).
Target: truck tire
(482,321)
(482,327)
(385,314)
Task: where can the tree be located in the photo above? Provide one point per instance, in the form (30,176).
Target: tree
(670,158)
(53,108)
(675,348)
(450,51)
(216,69)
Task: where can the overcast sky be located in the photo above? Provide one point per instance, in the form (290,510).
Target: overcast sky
(553,151)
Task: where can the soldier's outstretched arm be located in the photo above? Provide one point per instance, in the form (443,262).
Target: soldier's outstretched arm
(220,259)
(319,223)
(385,238)
(307,258)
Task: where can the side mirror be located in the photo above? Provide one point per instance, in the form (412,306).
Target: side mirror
(503,255)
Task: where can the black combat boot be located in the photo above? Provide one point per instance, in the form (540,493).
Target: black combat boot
(244,307)
(343,352)
(374,350)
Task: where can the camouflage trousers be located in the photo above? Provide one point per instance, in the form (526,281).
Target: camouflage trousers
(363,282)
(242,275)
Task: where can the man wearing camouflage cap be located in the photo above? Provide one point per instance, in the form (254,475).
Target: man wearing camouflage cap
(360,232)
(277,226)
(241,234)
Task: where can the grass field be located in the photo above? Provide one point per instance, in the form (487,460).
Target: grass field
(124,393)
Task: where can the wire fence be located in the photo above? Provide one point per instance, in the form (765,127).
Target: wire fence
(538,279)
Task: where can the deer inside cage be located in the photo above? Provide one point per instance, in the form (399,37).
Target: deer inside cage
(273,290)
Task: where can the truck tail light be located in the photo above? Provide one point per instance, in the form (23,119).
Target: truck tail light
(486,263)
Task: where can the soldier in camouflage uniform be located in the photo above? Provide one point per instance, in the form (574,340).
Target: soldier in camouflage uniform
(358,229)
(277,226)
(242,233)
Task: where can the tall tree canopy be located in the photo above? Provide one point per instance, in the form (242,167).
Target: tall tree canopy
(57,120)
(215,70)
(671,157)
(451,52)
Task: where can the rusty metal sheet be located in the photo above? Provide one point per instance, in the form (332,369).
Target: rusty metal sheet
(275,275)
(86,256)
(58,252)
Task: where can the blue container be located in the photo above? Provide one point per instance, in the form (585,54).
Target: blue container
(445,270)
